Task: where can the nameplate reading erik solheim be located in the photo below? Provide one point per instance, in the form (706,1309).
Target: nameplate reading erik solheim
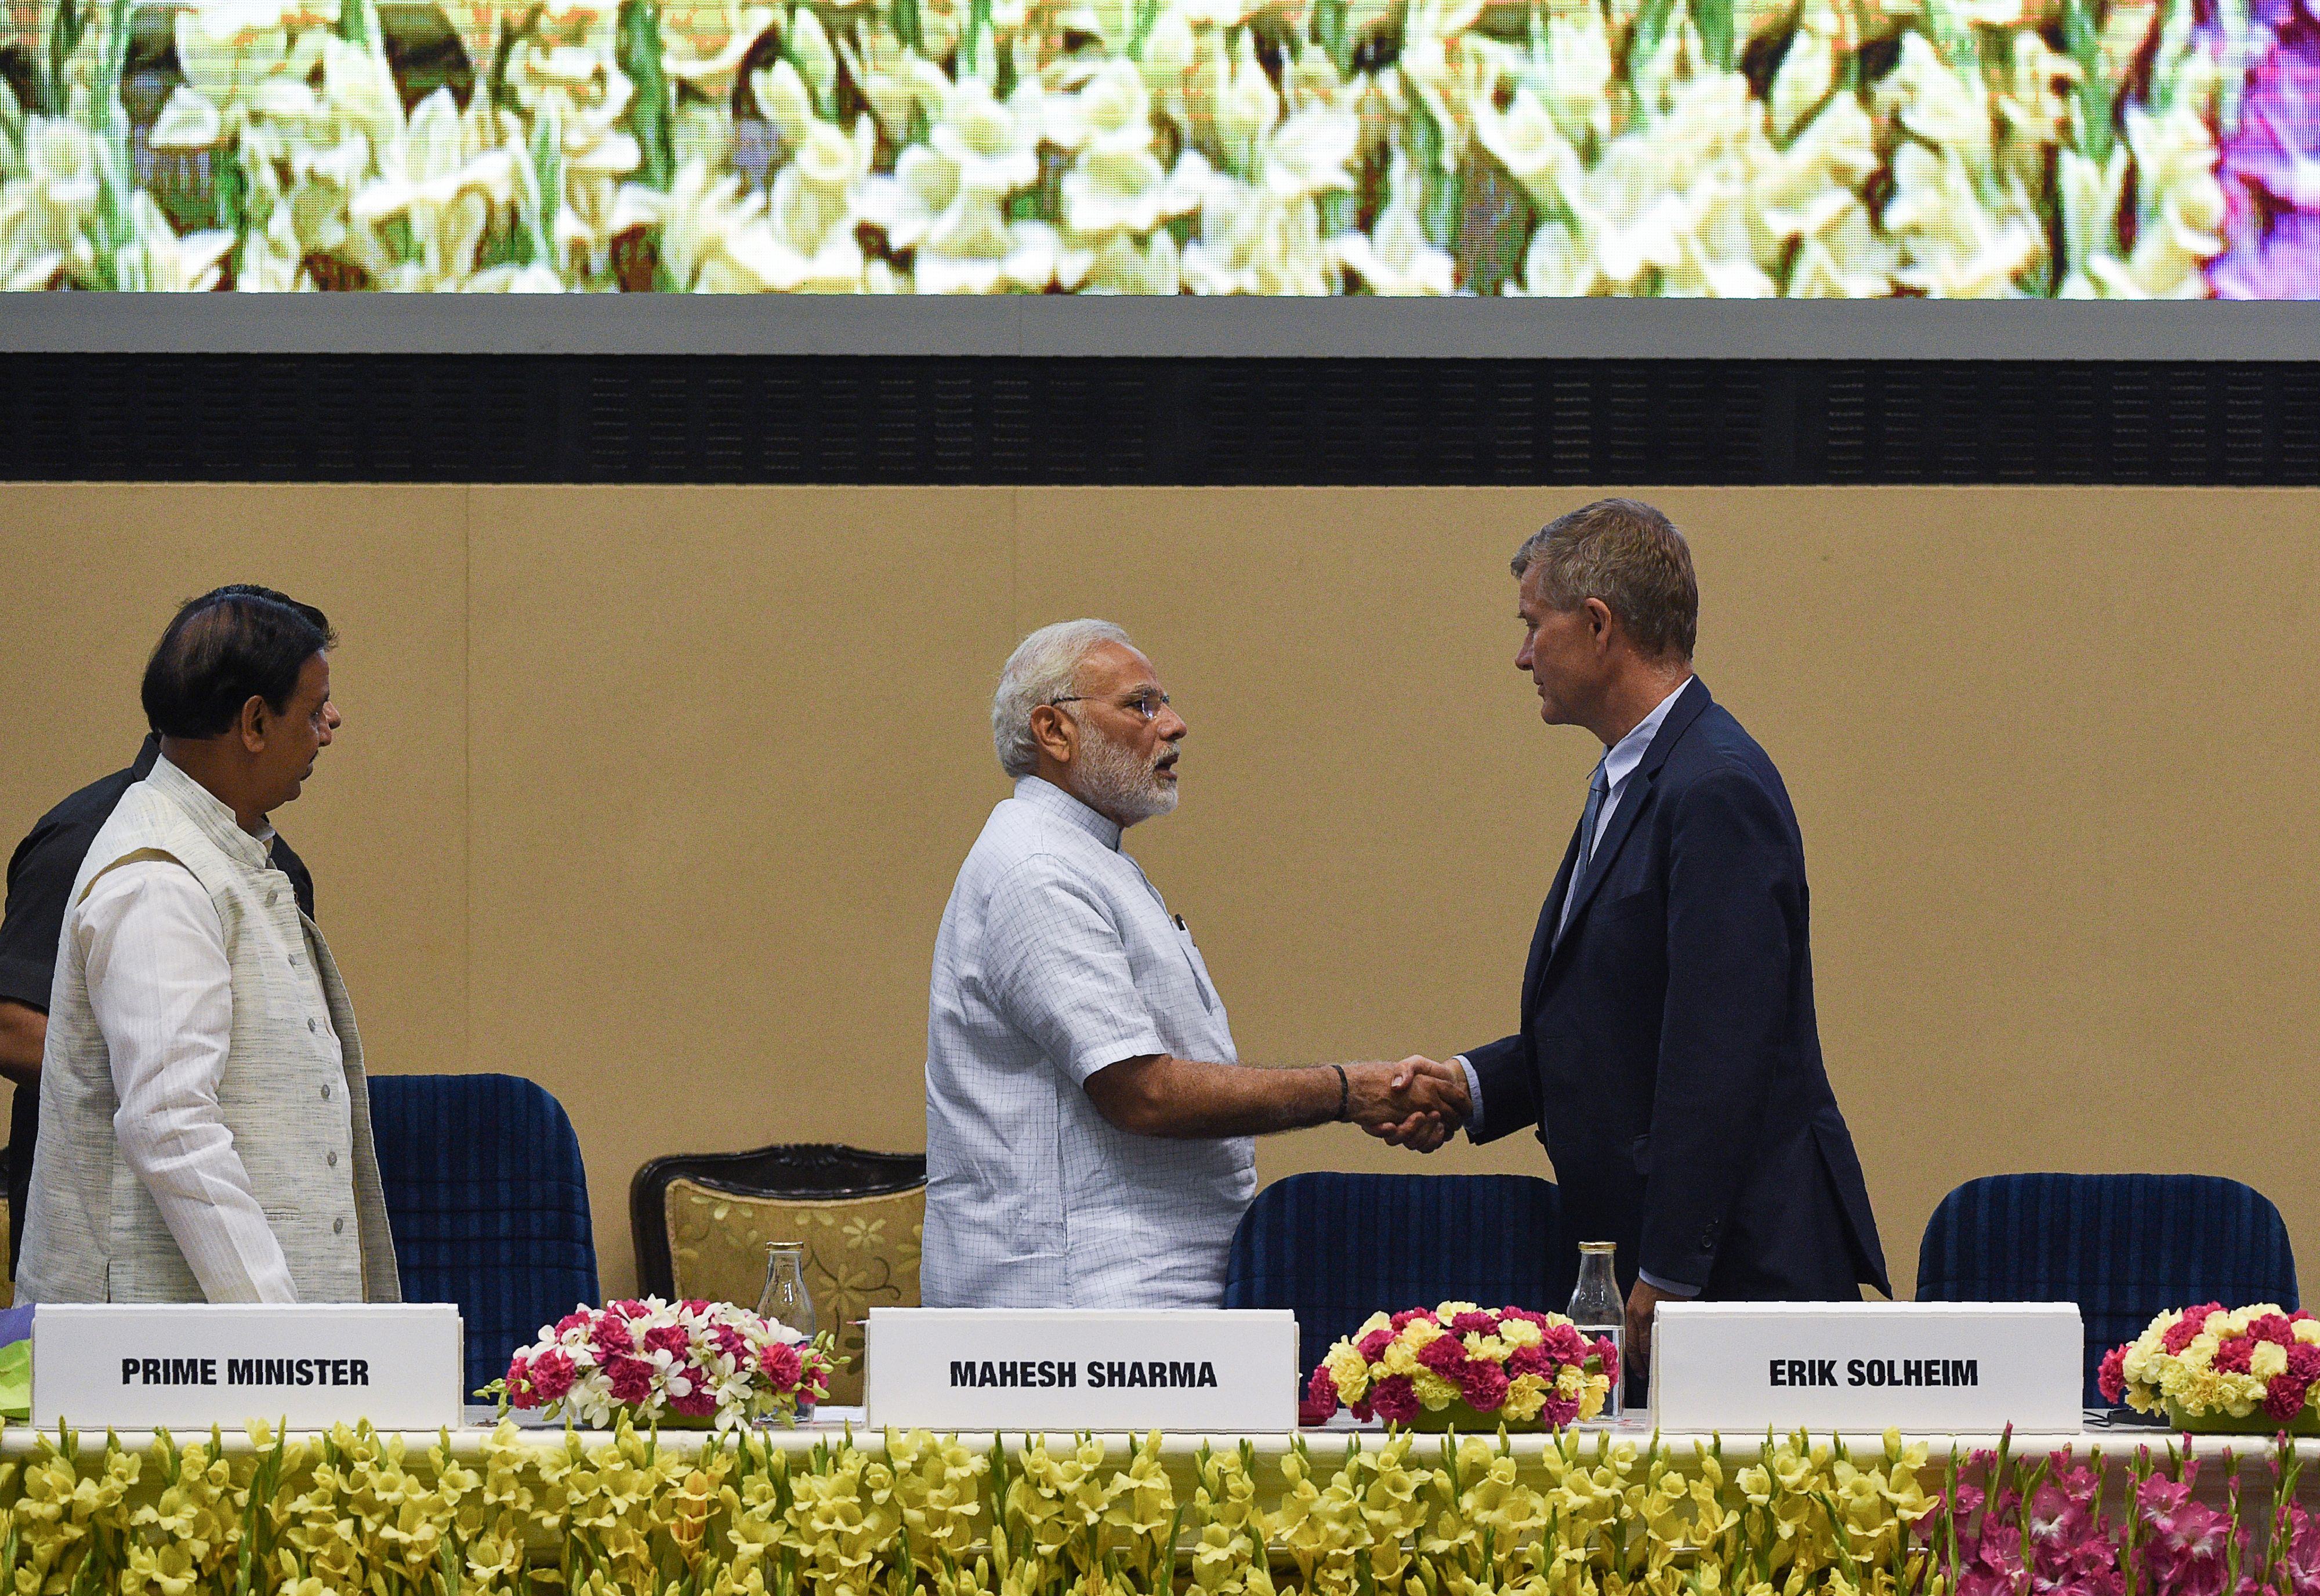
(142,1365)
(1930,1366)
(1021,1368)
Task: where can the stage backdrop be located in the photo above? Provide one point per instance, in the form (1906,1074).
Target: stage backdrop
(656,795)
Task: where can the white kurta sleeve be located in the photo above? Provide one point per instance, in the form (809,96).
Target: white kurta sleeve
(162,991)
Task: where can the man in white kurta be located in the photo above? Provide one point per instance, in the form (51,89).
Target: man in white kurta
(1089,1120)
(1056,958)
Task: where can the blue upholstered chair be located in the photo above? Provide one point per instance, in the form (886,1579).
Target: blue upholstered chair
(489,1205)
(2122,1246)
(1340,1247)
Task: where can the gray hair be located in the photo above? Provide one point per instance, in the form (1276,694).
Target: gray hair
(1628,554)
(1044,667)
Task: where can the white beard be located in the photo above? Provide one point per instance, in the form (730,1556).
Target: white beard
(1120,782)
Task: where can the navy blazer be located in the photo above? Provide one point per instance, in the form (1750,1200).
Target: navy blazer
(1668,1049)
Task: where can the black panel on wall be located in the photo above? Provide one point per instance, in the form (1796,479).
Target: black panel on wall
(843,419)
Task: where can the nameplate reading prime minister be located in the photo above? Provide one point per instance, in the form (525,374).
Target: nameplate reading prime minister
(1956,1367)
(1064,1369)
(140,1366)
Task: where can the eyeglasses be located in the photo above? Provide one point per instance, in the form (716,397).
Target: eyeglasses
(1147,703)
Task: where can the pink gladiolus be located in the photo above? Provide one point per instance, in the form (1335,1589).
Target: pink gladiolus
(1321,1397)
(1484,1385)
(782,1365)
(2111,1379)
(1373,1345)
(1395,1398)
(1476,1324)
(552,1374)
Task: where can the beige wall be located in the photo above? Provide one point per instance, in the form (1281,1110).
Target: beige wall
(655,795)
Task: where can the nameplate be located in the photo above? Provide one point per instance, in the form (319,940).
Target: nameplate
(1064,1369)
(1742,1367)
(144,1365)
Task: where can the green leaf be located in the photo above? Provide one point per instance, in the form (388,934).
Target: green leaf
(652,114)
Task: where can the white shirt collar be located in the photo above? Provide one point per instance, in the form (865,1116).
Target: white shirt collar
(1628,752)
(253,850)
(1053,799)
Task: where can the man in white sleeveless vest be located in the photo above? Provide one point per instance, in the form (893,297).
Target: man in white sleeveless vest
(204,1120)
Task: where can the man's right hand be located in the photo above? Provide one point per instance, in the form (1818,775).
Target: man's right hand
(1417,1104)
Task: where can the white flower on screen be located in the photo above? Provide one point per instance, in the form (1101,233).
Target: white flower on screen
(704,44)
(1797,192)
(1558,265)
(1719,252)
(226,47)
(787,102)
(1245,110)
(994,150)
(1809,72)
(2180,213)
(187,121)
(1526,140)
(1632,217)
(1254,241)
(1579,96)
(907,205)
(1306,154)
(2033,106)
(893,78)
(1940,104)
(1126,265)
(1954,245)
(1846,261)
(1395,256)
(158,262)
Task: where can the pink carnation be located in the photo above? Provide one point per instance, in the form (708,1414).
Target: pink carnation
(695,1307)
(2304,1362)
(1373,1345)
(2271,1328)
(1607,1353)
(579,1320)
(520,1391)
(1363,1410)
(2234,1354)
(699,1402)
(1530,1360)
(2185,1330)
(782,1365)
(1395,1398)
(611,1336)
(1444,1356)
(668,1339)
(1476,1324)
(2111,1379)
(1560,1411)
(1321,1397)
(1564,1344)
(1524,1313)
(628,1308)
(1408,1316)
(552,1375)
(731,1343)
(2283,1397)
(1484,1384)
(632,1379)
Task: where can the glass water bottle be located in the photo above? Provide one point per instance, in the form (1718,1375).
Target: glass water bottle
(784,1301)
(1598,1312)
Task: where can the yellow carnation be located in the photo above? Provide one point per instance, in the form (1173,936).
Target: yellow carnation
(1433,1390)
(1350,1370)
(1450,1310)
(1525,1397)
(1399,1358)
(1420,1332)
(2267,1360)
(1489,1348)
(2306,1330)
(1375,1321)
(1521,1332)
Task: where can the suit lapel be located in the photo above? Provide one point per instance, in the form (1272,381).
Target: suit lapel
(1633,796)
(1543,940)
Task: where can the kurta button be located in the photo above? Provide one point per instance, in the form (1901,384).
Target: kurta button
(338,1227)
(294,961)
(326,1094)
(270,896)
(333,1160)
(315,1027)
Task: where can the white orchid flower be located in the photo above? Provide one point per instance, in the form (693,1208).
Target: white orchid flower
(1395,256)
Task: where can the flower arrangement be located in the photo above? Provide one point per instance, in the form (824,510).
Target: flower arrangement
(511,1514)
(2207,1364)
(1731,147)
(670,1363)
(1522,1366)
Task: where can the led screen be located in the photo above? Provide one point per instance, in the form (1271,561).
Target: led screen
(2126,149)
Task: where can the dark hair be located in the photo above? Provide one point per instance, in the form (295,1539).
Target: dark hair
(223,647)
(1631,556)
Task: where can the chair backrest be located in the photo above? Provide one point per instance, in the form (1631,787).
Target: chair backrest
(489,1203)
(2123,1246)
(792,1169)
(1338,1247)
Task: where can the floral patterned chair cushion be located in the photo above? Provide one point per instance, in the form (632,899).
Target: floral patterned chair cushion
(860,1253)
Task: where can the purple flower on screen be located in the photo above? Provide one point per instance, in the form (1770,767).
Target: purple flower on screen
(2270,174)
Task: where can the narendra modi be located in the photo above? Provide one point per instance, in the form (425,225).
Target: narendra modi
(1089,1123)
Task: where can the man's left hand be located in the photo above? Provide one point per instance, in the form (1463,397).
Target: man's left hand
(1641,1301)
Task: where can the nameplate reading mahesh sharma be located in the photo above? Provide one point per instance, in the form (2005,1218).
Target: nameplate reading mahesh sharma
(1063,1369)
(1744,1367)
(145,1364)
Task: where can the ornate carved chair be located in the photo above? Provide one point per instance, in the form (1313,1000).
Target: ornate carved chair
(701,1221)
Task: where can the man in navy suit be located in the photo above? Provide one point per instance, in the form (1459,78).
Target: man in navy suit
(1668,1053)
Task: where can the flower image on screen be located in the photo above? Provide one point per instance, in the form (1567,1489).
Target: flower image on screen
(1848,149)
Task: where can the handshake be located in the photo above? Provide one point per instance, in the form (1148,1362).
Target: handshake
(1417,1104)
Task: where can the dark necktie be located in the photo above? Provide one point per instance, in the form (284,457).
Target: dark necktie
(1598,788)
